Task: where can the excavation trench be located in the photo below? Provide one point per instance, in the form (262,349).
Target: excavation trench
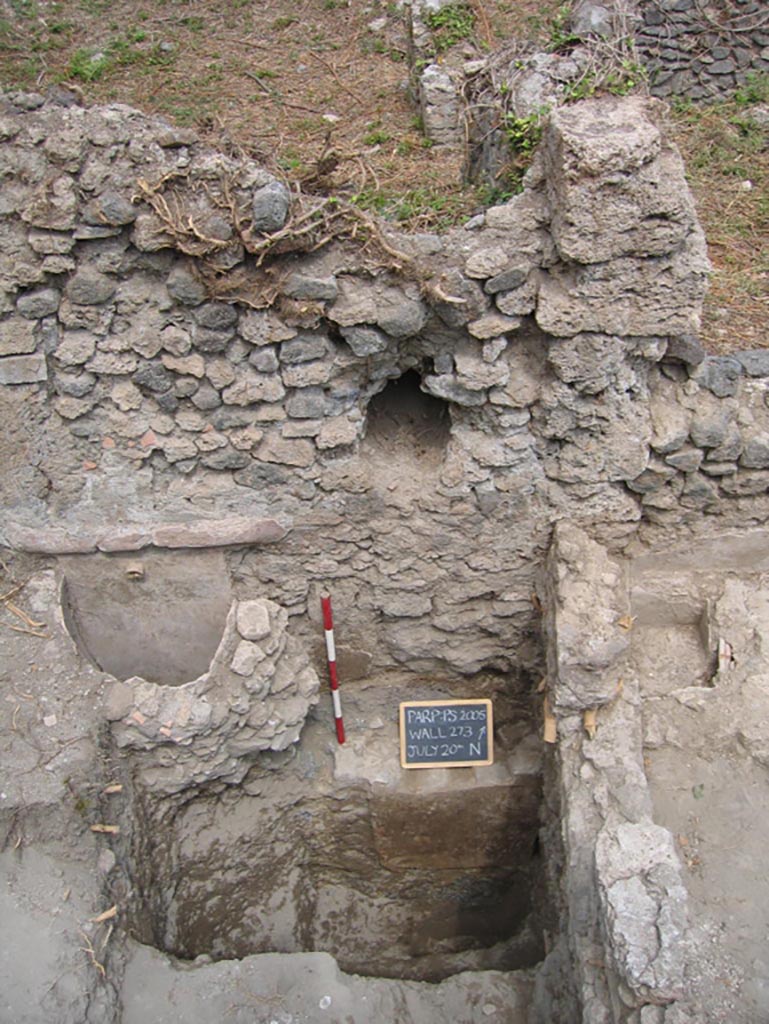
(398,874)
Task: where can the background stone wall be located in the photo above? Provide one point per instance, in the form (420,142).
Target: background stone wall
(698,49)
(167,398)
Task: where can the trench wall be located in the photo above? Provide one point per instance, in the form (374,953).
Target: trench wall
(177,371)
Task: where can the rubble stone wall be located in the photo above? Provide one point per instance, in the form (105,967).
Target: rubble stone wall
(693,49)
(702,50)
(153,396)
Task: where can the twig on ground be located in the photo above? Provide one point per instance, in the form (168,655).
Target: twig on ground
(336,77)
(91,953)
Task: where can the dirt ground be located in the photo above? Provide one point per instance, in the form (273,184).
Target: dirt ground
(706,755)
(319,90)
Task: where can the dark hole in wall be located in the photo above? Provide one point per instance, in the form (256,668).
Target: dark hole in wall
(404,416)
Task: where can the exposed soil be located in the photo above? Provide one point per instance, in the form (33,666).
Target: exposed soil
(319,90)
(321,848)
(705,754)
(335,849)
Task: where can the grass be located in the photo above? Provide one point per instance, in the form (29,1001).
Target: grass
(727,160)
(276,102)
(87,65)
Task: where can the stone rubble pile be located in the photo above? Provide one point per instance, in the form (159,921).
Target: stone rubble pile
(255,696)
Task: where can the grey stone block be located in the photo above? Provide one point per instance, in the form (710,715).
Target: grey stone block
(253,620)
(17,337)
(685,348)
(756,452)
(304,348)
(718,468)
(226,458)
(76,348)
(153,377)
(76,385)
(167,402)
(206,340)
(754,362)
(22,369)
(35,305)
(265,360)
(643,908)
(709,428)
(269,207)
(260,476)
(719,374)
(302,286)
(206,397)
(365,341)
(110,208)
(306,404)
(723,67)
(89,287)
(698,492)
(183,286)
(686,459)
(507,280)
(216,316)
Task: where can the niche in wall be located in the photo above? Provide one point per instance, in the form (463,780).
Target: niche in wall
(406,423)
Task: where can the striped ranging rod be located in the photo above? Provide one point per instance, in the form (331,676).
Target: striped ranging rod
(328,629)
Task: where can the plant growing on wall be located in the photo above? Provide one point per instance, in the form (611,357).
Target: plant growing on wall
(523,135)
(450,25)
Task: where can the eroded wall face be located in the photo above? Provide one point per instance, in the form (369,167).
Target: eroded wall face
(178,370)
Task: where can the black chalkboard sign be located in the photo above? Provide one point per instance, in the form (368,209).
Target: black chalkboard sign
(446,733)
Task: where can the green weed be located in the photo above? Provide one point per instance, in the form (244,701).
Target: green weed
(376,136)
(124,51)
(87,66)
(754,90)
(424,206)
(24,8)
(450,25)
(561,40)
(193,22)
(524,133)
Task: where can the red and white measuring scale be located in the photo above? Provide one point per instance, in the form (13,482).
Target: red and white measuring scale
(328,629)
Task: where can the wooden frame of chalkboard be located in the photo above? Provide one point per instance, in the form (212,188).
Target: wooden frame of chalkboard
(446,733)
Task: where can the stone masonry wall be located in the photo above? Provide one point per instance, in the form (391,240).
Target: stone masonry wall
(167,398)
(700,50)
(695,49)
